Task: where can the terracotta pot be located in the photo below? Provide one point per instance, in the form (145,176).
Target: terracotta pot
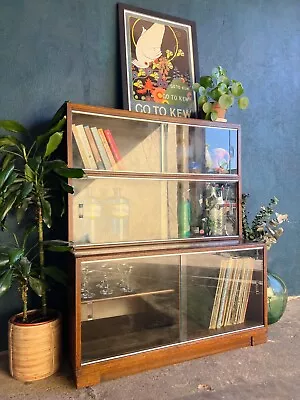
(34,348)
(220,111)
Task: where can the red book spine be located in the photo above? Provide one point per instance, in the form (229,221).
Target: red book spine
(112,145)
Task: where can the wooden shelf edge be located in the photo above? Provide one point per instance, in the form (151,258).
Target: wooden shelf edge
(93,373)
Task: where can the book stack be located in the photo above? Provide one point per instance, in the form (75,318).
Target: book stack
(232,292)
(97,147)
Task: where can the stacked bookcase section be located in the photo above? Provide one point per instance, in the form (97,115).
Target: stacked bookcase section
(161,273)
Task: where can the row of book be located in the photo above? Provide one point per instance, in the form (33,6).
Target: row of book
(232,292)
(97,147)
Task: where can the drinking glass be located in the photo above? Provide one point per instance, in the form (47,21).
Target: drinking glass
(86,292)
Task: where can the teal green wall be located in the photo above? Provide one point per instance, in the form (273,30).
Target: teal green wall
(57,50)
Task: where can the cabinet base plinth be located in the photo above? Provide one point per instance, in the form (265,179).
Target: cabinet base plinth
(94,373)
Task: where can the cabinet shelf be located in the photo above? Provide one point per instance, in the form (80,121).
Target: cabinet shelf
(128,295)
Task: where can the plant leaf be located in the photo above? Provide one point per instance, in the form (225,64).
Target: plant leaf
(11,183)
(46,209)
(27,233)
(214,115)
(6,281)
(26,189)
(58,127)
(53,164)
(53,143)
(70,172)
(56,274)
(6,207)
(60,113)
(67,188)
(25,266)
(4,260)
(34,163)
(29,173)
(15,255)
(9,141)
(206,81)
(237,89)
(243,103)
(21,210)
(12,126)
(37,285)
(6,160)
(58,245)
(5,173)
(226,101)
(206,107)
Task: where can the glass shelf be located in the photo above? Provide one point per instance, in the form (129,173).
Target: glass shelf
(105,142)
(124,210)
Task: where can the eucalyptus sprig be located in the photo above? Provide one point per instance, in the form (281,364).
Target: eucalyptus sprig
(265,226)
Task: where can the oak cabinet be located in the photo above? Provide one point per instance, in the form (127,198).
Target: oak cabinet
(160,271)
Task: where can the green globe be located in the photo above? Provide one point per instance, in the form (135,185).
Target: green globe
(277,297)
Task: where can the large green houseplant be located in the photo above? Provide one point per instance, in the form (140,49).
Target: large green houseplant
(266,227)
(217,92)
(33,185)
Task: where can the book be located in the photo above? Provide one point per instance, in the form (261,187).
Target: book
(85,153)
(112,144)
(86,147)
(94,147)
(101,149)
(107,149)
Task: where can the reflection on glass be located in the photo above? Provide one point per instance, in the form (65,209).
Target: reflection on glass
(125,282)
(128,210)
(147,302)
(135,308)
(105,278)
(224,291)
(210,150)
(86,290)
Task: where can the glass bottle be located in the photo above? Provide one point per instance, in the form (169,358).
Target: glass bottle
(83,235)
(184,215)
(216,212)
(119,216)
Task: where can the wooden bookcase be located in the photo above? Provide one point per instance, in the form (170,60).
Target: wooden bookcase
(160,271)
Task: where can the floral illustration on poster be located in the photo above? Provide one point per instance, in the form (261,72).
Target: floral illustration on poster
(159,64)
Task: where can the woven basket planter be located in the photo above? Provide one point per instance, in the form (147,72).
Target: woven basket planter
(34,349)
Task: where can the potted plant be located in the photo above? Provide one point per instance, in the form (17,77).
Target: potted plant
(33,185)
(217,93)
(266,227)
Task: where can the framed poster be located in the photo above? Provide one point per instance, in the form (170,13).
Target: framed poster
(158,55)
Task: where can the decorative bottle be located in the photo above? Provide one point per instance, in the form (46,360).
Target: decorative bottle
(119,223)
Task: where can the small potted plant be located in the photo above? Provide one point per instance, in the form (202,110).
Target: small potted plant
(32,188)
(266,227)
(217,93)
